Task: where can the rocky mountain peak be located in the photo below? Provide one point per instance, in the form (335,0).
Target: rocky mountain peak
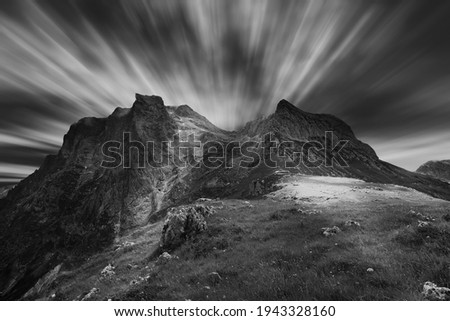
(284,106)
(185,111)
(149,105)
(149,100)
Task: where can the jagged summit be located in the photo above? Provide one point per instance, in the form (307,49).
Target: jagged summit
(285,106)
(150,105)
(150,100)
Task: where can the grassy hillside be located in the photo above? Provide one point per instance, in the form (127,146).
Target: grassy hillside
(274,248)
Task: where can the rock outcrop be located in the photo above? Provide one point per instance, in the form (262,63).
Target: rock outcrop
(432,292)
(183,222)
(108,271)
(330,231)
(164,258)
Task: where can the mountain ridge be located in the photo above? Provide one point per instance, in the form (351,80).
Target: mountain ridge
(72,206)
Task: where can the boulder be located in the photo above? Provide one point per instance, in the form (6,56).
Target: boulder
(433,292)
(351,223)
(330,231)
(183,222)
(421,216)
(108,271)
(137,281)
(422,224)
(165,257)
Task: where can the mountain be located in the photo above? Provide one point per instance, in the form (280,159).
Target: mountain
(437,169)
(72,206)
(76,204)
(290,123)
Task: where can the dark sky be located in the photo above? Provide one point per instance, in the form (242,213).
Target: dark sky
(383,66)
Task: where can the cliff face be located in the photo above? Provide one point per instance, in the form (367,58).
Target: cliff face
(437,169)
(73,206)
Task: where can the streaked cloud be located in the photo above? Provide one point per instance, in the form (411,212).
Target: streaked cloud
(380,65)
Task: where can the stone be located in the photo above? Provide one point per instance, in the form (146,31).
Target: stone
(128,244)
(137,281)
(108,271)
(432,292)
(421,216)
(351,223)
(183,222)
(330,231)
(165,257)
(370,270)
(422,224)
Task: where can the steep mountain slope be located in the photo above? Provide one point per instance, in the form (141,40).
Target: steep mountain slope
(437,169)
(73,206)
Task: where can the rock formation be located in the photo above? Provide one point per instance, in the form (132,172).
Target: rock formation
(183,222)
(432,292)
